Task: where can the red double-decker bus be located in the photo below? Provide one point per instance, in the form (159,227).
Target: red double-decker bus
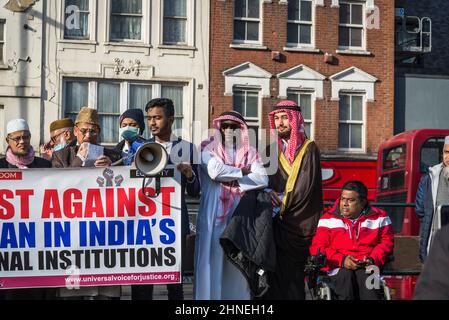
(402,160)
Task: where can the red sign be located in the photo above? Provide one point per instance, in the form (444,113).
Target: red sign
(8,175)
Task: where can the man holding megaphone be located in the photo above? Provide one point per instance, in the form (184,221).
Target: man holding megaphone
(160,117)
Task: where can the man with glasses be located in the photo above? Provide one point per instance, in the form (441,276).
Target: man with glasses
(87,131)
(20,154)
(61,135)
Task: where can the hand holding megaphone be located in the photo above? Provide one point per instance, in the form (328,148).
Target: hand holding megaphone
(185,169)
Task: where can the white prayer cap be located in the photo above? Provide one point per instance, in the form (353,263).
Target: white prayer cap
(16,125)
(446,140)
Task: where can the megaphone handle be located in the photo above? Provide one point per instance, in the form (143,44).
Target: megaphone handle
(157,187)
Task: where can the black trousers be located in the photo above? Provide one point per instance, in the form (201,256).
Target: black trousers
(175,291)
(287,282)
(351,285)
(145,292)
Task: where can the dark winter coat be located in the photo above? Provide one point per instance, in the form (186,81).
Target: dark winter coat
(433,283)
(248,240)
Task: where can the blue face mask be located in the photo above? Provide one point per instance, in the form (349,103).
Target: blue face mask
(59,146)
(129,133)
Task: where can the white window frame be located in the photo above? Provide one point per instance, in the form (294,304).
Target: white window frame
(246,19)
(300,22)
(190,28)
(363,122)
(125,86)
(312,107)
(352,26)
(91,24)
(251,121)
(3,42)
(145,26)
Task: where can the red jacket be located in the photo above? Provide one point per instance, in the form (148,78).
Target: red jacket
(337,237)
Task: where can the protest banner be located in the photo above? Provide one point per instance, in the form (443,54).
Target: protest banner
(88,227)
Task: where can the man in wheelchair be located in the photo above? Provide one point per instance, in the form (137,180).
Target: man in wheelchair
(354,237)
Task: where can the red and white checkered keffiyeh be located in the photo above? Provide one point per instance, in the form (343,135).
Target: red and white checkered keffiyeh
(296,120)
(229,191)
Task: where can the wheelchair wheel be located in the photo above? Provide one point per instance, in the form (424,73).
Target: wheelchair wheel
(325,292)
(385,291)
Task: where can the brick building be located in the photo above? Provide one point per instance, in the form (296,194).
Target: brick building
(336,57)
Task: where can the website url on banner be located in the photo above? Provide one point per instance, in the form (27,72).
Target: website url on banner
(120,279)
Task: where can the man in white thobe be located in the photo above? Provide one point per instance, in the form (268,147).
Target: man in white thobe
(228,169)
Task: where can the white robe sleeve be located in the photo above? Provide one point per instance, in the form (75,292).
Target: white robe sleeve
(257,179)
(217,170)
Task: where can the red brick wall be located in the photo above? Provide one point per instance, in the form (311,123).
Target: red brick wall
(380,42)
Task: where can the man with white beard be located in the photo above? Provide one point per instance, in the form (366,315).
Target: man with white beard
(433,191)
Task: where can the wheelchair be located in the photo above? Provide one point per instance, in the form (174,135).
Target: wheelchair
(318,282)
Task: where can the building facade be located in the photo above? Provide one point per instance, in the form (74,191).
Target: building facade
(335,57)
(20,69)
(113,55)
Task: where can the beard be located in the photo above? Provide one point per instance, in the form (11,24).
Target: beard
(446,172)
(285,134)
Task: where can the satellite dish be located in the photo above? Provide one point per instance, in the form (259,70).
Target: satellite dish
(19,5)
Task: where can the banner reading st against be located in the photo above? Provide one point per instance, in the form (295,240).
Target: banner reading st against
(88,227)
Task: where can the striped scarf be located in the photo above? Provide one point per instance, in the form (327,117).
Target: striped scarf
(297,136)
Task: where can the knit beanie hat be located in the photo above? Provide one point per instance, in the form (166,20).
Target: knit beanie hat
(135,114)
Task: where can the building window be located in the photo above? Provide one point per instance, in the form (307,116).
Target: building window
(76,97)
(299,24)
(246,101)
(304,100)
(2,40)
(247,21)
(108,107)
(175,21)
(175,93)
(76,24)
(106,97)
(351,27)
(126,20)
(351,123)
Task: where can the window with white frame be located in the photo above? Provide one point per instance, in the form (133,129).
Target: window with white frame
(300,23)
(351,122)
(76,22)
(2,40)
(175,22)
(106,96)
(304,100)
(246,101)
(126,20)
(247,21)
(351,26)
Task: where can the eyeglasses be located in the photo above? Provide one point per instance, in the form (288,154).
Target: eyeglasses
(17,139)
(55,138)
(231,126)
(84,131)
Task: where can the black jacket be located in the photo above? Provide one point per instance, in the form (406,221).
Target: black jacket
(37,163)
(248,240)
(433,283)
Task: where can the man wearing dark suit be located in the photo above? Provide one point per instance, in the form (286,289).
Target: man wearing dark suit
(86,130)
